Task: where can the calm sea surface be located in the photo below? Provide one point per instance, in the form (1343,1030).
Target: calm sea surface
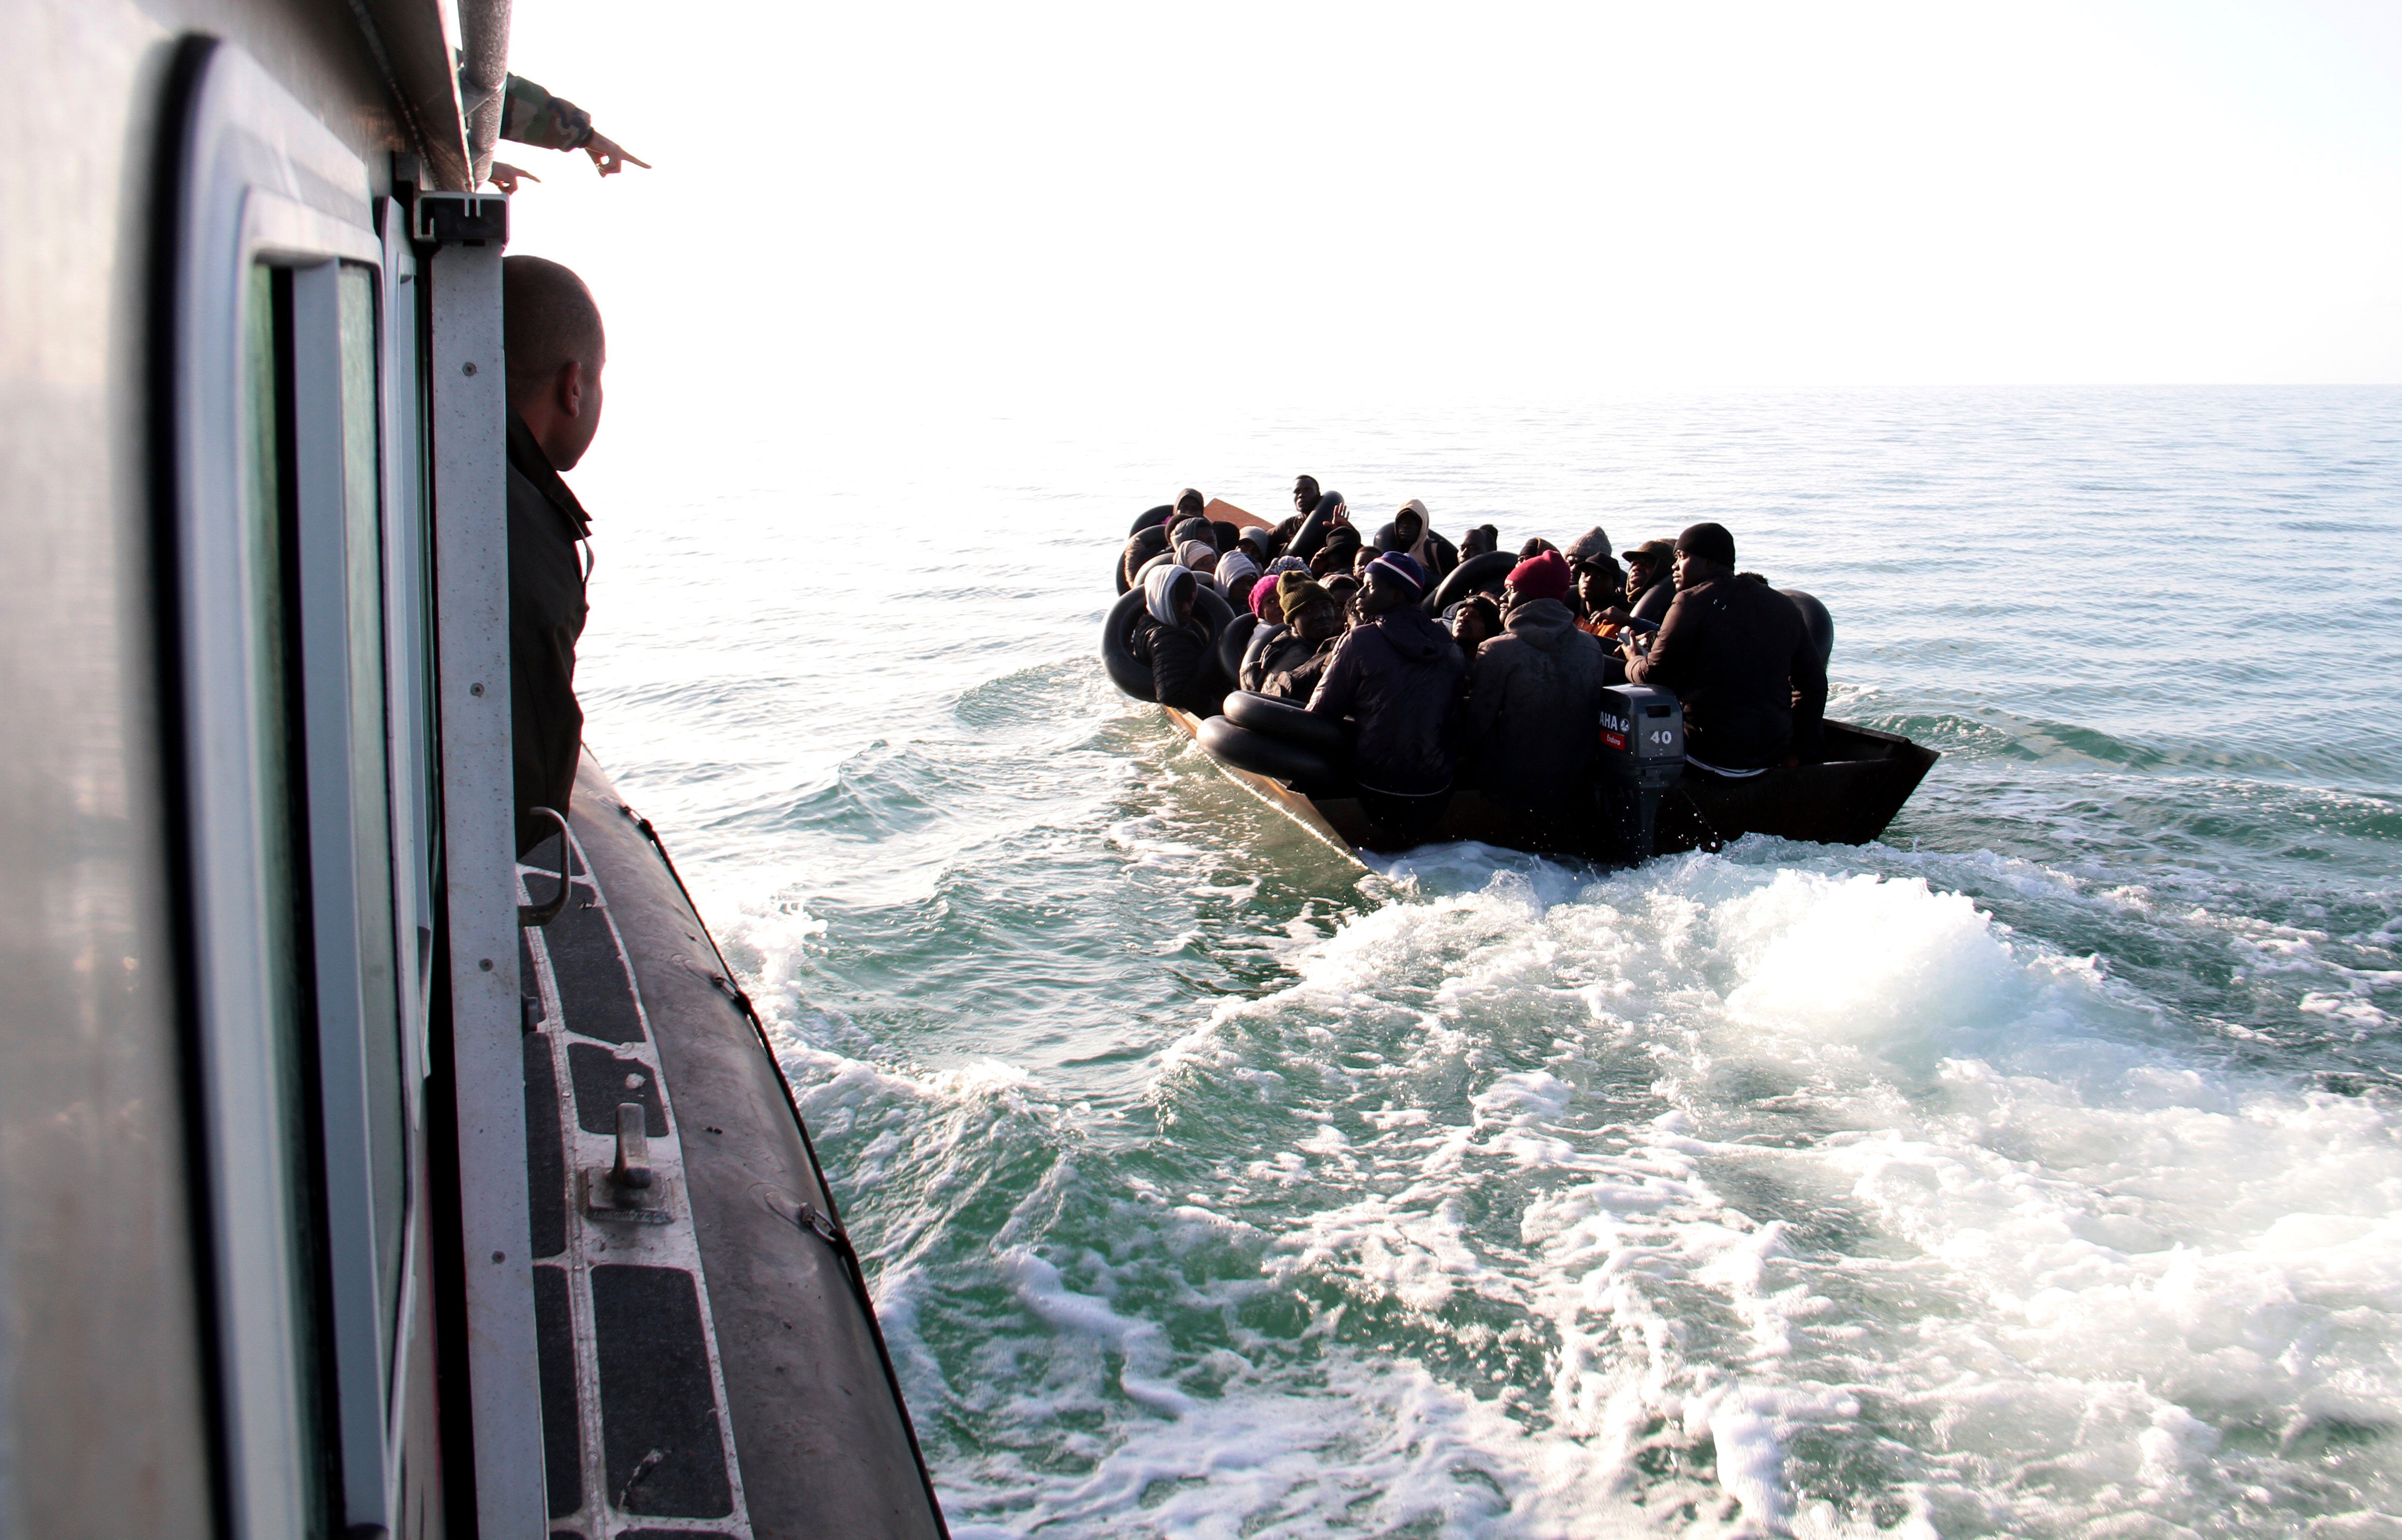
(2038,1171)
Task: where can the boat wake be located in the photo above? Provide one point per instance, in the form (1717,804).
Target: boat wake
(1772,1191)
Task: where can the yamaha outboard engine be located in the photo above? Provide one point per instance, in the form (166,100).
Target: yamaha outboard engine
(1642,755)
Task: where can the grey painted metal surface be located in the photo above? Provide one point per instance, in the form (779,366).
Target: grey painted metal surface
(823,1439)
(103,1401)
(471,578)
(261,180)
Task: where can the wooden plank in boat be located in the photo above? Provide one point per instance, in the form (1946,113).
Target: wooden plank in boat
(1221,510)
(1274,793)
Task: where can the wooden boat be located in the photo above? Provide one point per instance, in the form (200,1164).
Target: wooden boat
(1848,799)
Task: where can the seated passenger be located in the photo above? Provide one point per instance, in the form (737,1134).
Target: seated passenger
(1259,542)
(1597,610)
(1304,498)
(1397,675)
(1483,538)
(1185,531)
(1285,661)
(1199,555)
(1738,656)
(1534,547)
(1651,579)
(1338,553)
(1534,703)
(1189,504)
(1173,642)
(1235,575)
(1411,531)
(1223,534)
(1474,621)
(1592,549)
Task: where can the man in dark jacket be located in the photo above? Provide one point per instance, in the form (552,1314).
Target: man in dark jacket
(1397,674)
(1534,703)
(1651,579)
(1174,643)
(1737,655)
(555,349)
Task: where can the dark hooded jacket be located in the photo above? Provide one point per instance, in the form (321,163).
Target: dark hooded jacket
(1278,663)
(546,614)
(1534,711)
(1178,655)
(1737,655)
(1396,676)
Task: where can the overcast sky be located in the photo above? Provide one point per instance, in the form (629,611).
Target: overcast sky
(1047,204)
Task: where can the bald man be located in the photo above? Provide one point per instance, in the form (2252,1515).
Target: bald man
(555,348)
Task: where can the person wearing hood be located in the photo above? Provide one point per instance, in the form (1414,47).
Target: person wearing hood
(1397,675)
(1173,642)
(1412,531)
(1285,660)
(1236,574)
(1259,542)
(1738,656)
(1184,531)
(1199,555)
(1534,704)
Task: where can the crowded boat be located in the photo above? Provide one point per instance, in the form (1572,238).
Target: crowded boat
(1396,687)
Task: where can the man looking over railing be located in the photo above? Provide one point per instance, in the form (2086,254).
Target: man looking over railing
(555,348)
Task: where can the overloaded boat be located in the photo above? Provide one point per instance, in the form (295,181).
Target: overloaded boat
(1651,797)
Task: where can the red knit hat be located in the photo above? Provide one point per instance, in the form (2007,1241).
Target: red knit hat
(1542,575)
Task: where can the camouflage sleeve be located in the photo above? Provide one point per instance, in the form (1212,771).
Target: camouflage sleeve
(531,116)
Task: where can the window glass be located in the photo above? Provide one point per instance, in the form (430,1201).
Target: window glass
(269,560)
(370,788)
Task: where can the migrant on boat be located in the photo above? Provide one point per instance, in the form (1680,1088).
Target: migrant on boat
(1407,690)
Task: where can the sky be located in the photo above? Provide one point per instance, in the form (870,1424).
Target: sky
(900,207)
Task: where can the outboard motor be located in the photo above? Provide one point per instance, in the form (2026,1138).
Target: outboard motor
(1642,755)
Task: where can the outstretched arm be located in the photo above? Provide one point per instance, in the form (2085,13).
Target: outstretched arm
(533,116)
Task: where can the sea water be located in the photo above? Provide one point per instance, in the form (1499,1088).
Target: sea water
(2034,1171)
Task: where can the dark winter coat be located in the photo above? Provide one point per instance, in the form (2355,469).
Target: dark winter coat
(1653,604)
(1737,655)
(1278,663)
(1396,676)
(1180,653)
(1534,711)
(546,614)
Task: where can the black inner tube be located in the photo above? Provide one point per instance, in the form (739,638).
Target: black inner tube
(1312,534)
(1477,571)
(1131,675)
(1231,640)
(1287,722)
(1156,516)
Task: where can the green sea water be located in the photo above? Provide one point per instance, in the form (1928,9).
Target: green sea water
(2034,1171)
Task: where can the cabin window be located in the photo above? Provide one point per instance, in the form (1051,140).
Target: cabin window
(316,543)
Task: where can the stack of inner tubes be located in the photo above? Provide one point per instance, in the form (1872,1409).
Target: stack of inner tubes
(1273,738)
